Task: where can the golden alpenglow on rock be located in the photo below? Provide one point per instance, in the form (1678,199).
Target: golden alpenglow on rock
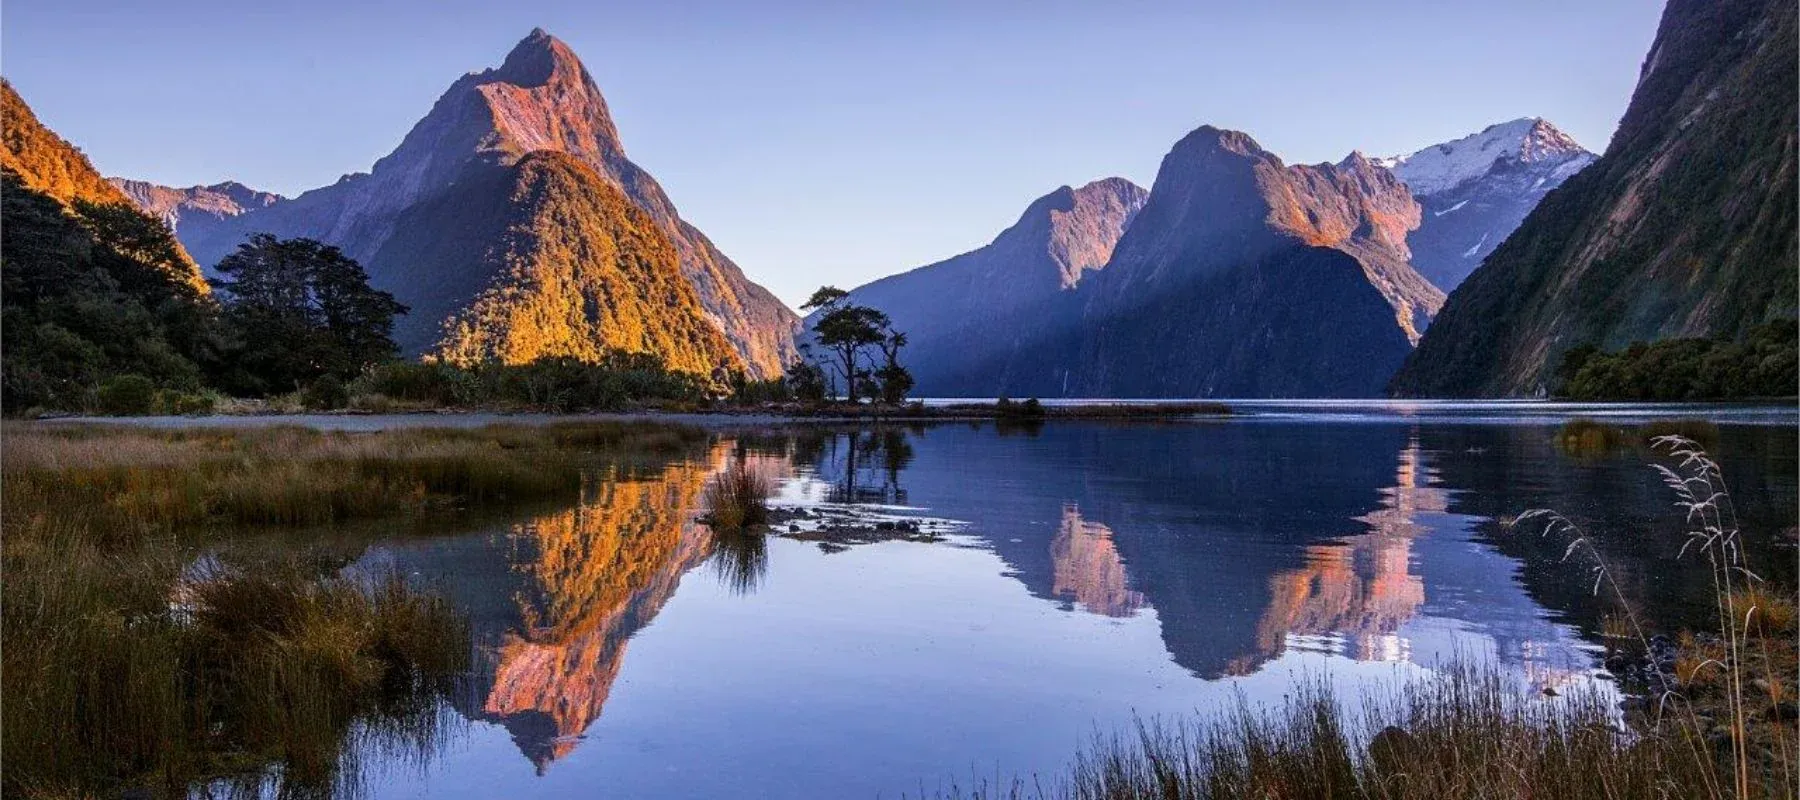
(581,272)
(43,160)
(1089,569)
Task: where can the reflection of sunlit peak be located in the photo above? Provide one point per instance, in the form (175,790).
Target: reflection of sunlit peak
(1411,494)
(1360,587)
(596,573)
(1088,568)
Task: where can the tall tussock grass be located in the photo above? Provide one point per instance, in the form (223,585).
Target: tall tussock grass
(737,498)
(121,670)
(1467,732)
(140,649)
(737,510)
(1728,692)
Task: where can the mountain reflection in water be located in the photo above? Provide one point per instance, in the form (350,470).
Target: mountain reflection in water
(1233,545)
(1088,568)
(557,596)
(1361,587)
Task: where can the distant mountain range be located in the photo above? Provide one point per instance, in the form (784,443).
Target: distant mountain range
(1237,275)
(196,212)
(512,222)
(1245,277)
(1685,227)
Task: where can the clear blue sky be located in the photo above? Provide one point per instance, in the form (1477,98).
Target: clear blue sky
(825,142)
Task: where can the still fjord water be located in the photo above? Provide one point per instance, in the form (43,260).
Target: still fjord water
(1092,574)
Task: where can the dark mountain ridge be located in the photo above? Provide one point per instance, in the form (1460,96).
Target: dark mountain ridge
(990,306)
(1236,275)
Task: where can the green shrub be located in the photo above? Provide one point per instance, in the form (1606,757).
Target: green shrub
(373,403)
(436,383)
(127,395)
(170,401)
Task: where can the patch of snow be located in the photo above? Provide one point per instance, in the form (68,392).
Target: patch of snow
(1470,253)
(1452,208)
(1448,165)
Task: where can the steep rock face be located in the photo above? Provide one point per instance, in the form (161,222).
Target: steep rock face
(44,162)
(1357,208)
(1684,227)
(1476,191)
(973,320)
(1245,277)
(540,99)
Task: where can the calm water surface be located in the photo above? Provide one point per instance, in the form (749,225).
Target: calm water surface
(1096,572)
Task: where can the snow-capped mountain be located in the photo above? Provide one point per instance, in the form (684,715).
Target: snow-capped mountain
(1476,190)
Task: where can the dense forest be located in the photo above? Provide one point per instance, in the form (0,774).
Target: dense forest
(1762,365)
(91,294)
(99,314)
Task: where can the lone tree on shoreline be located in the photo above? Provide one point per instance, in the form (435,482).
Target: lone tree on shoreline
(847,332)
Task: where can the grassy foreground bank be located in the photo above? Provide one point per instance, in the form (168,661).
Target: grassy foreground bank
(142,650)
(1465,734)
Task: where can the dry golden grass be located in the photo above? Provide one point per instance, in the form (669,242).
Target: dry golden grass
(1768,614)
(1464,734)
(1587,438)
(135,481)
(1725,691)
(121,670)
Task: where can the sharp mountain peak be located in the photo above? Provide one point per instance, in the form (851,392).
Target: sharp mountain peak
(536,61)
